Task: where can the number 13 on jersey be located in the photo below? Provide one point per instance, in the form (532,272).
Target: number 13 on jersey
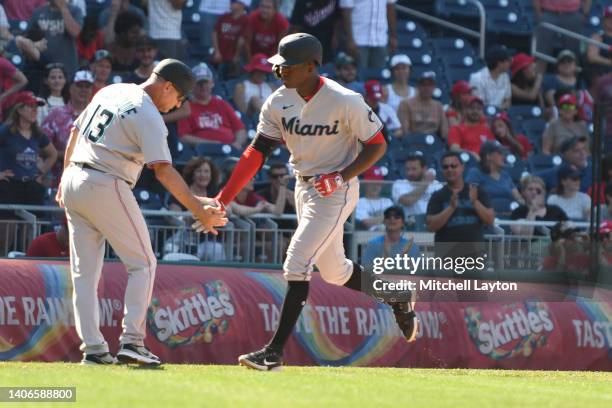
(99,121)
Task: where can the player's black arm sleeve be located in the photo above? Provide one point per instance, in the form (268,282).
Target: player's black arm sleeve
(264,144)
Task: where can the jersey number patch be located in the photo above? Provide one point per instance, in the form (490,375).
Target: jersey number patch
(102,121)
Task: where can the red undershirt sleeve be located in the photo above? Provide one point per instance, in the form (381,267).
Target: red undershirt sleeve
(249,164)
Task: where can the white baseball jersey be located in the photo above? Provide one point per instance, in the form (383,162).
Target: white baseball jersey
(322,134)
(120,131)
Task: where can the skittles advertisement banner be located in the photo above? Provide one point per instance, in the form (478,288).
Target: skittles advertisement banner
(201,314)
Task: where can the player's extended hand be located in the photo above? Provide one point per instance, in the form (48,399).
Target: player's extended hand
(326,184)
(210,217)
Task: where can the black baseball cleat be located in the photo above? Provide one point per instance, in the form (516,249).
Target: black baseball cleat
(99,359)
(134,354)
(405,317)
(263,360)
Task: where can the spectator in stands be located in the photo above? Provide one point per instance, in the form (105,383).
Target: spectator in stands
(393,242)
(165,18)
(399,89)
(346,73)
(565,127)
(60,120)
(202,177)
(535,208)
(568,251)
(491,176)
(566,77)
(458,212)
(606,177)
(266,28)
(110,13)
(317,18)
(460,96)
(473,132)
(90,40)
(55,90)
(373,95)
(22,145)
(228,38)
(146,53)
(54,244)
(248,202)
(11,81)
(127,31)
(422,113)
(492,83)
(21,9)
(601,59)
(250,94)
(370,30)
(101,68)
(501,126)
(526,82)
(414,192)
(5,33)
(577,205)
(585,101)
(575,153)
(279,179)
(33,46)
(210,11)
(568,14)
(212,120)
(61,22)
(370,207)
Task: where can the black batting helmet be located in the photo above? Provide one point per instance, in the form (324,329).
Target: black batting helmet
(296,49)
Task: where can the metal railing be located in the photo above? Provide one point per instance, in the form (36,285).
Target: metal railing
(481,36)
(562,31)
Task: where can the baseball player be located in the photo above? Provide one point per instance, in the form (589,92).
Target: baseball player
(333,136)
(119,132)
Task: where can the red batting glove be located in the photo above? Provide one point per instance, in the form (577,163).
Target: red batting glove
(326,184)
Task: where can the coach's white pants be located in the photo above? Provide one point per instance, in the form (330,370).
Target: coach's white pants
(319,234)
(99,206)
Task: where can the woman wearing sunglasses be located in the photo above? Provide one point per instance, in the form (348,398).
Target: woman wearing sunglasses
(565,127)
(533,190)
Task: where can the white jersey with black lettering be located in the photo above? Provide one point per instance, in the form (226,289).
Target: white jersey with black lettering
(120,131)
(322,134)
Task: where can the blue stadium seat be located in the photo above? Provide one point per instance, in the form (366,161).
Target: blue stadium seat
(444,45)
(534,128)
(461,8)
(516,167)
(507,22)
(147,200)
(539,162)
(411,27)
(185,153)
(522,112)
(502,206)
(280,154)
(426,144)
(216,150)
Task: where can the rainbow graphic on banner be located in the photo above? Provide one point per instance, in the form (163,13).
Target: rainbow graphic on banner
(320,346)
(40,338)
(597,312)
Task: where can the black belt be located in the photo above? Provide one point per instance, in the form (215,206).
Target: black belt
(87,166)
(305,179)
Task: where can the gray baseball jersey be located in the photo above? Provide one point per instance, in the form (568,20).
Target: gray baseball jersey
(322,134)
(120,131)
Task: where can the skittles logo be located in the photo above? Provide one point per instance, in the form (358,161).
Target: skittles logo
(508,331)
(192,315)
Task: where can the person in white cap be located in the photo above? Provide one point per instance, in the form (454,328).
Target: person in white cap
(399,89)
(212,120)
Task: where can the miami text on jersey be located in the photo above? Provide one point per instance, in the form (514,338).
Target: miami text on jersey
(293,126)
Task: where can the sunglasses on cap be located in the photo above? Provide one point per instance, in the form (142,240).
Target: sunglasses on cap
(568,106)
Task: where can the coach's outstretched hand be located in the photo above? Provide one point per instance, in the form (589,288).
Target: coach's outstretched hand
(209,217)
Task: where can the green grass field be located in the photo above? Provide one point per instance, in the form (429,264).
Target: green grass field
(232,386)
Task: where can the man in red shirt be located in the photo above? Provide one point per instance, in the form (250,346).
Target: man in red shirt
(52,244)
(474,130)
(228,36)
(212,120)
(266,28)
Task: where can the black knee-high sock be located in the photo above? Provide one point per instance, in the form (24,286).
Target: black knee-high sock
(355,280)
(295,299)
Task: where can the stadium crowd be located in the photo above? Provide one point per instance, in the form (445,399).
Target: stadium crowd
(515,131)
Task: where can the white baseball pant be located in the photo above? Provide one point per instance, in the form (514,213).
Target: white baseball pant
(319,234)
(98,207)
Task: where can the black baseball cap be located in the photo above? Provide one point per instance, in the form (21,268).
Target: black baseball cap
(498,53)
(394,210)
(178,73)
(489,147)
(296,49)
